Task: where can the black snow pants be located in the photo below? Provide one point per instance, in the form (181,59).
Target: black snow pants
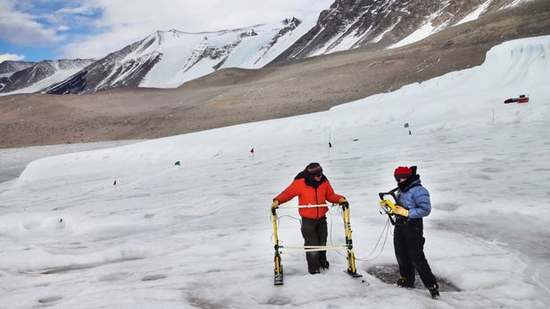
(408,241)
(315,234)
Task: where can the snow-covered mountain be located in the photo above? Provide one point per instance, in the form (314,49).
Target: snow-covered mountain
(350,24)
(9,67)
(166,59)
(199,234)
(33,77)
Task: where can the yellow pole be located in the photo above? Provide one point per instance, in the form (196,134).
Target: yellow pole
(278,279)
(352,269)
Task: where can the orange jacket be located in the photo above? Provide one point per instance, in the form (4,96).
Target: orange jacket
(308,195)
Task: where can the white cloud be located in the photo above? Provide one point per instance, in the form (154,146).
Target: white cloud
(21,28)
(14,57)
(123,23)
(80,10)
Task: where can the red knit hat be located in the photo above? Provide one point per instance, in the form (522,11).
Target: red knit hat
(402,172)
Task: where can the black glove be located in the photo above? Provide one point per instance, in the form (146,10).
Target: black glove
(343,202)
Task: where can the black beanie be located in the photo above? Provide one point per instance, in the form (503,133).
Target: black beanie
(314,168)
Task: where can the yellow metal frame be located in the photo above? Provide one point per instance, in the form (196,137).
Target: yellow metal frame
(352,268)
(277,259)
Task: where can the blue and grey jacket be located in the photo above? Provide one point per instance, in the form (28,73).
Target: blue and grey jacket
(414,197)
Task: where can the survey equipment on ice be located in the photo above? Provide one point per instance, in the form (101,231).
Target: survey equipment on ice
(388,206)
(348,246)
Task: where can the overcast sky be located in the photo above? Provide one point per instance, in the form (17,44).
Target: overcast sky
(47,29)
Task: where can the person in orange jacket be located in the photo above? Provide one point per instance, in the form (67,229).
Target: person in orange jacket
(312,188)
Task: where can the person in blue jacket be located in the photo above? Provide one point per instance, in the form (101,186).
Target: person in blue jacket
(413,203)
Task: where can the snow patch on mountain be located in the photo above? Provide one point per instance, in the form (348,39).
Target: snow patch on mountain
(390,28)
(423,32)
(476,13)
(345,39)
(254,53)
(350,41)
(515,3)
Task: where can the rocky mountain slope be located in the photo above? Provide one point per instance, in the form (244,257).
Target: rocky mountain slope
(167,59)
(9,67)
(350,24)
(33,77)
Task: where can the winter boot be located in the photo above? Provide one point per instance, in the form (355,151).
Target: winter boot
(325,265)
(434,291)
(404,283)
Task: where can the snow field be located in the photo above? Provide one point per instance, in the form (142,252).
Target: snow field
(199,235)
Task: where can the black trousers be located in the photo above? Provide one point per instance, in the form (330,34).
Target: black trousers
(315,234)
(408,241)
